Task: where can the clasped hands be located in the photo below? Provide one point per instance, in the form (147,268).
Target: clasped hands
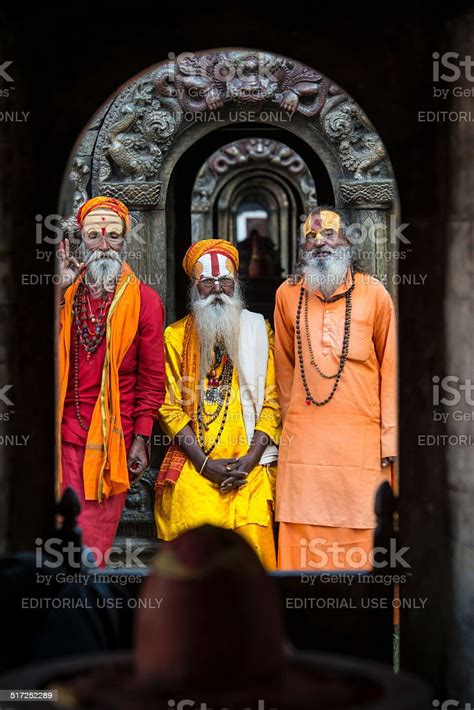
(229,474)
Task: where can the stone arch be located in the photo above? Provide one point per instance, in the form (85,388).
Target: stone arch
(131,146)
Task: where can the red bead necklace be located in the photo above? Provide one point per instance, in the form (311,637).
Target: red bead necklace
(89,331)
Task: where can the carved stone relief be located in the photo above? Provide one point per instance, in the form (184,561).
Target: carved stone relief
(136,130)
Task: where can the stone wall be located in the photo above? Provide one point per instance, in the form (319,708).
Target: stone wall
(459,309)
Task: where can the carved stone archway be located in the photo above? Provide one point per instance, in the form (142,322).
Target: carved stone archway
(270,170)
(132,145)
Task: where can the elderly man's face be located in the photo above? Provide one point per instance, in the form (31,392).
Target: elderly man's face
(103,229)
(215,286)
(325,242)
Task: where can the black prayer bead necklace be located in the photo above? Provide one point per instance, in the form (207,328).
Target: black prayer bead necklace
(345,342)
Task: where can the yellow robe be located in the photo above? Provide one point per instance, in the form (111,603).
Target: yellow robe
(194,500)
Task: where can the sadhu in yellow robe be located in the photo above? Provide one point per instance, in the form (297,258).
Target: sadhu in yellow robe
(192,500)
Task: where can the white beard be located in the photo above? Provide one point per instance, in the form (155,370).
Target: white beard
(328,272)
(103,269)
(217,318)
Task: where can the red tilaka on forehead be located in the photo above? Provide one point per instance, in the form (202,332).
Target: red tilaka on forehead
(214,257)
(214,263)
(317,223)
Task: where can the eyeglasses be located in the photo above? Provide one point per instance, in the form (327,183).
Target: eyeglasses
(224,281)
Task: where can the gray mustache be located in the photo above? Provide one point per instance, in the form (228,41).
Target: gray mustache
(98,255)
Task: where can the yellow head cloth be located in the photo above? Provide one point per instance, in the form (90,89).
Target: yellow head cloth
(105,203)
(317,221)
(210,246)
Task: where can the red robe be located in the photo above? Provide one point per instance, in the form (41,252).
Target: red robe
(142,392)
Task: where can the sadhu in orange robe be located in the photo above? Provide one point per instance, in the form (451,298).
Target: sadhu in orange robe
(329,465)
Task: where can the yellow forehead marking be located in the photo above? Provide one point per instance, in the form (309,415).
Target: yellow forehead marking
(330,220)
(318,222)
(198,269)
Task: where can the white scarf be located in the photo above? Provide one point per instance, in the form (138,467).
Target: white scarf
(253,362)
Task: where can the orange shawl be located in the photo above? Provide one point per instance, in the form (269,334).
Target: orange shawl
(105,468)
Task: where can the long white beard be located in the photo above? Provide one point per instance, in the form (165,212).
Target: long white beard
(328,272)
(103,269)
(217,319)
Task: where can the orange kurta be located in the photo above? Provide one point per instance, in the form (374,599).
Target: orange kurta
(329,466)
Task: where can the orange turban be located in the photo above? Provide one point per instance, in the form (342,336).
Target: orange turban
(209,246)
(105,203)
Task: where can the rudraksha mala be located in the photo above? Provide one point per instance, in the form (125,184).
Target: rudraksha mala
(345,342)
